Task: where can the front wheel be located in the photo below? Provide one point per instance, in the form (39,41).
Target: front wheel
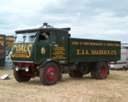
(50,74)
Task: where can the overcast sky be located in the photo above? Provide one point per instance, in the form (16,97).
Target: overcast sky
(96,19)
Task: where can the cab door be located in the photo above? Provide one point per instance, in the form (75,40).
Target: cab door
(60,48)
(42,48)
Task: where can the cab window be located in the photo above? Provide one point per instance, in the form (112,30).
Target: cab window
(44,36)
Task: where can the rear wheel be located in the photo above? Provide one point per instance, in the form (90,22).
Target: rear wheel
(100,71)
(50,74)
(21,76)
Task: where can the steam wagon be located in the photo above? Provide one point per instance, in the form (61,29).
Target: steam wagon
(48,52)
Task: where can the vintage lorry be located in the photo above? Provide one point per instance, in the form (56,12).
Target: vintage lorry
(48,52)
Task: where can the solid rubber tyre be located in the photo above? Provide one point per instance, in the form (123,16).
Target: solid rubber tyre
(50,74)
(100,70)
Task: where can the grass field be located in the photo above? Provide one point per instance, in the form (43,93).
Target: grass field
(113,89)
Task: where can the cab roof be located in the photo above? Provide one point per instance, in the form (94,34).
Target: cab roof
(42,29)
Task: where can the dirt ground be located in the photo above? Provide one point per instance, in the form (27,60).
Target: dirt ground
(113,89)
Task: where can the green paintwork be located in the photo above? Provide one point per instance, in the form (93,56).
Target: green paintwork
(43,50)
(63,49)
(89,50)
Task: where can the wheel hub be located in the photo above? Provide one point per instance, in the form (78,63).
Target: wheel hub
(51,73)
(104,72)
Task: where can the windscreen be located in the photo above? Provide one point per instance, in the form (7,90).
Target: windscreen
(26,37)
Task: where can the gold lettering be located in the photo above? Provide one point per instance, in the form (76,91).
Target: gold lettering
(75,43)
(82,52)
(78,52)
(20,55)
(96,43)
(59,53)
(96,52)
(22,51)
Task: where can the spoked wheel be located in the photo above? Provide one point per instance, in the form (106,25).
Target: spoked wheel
(103,72)
(100,70)
(50,74)
(21,76)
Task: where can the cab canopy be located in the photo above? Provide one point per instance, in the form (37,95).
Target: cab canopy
(45,27)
